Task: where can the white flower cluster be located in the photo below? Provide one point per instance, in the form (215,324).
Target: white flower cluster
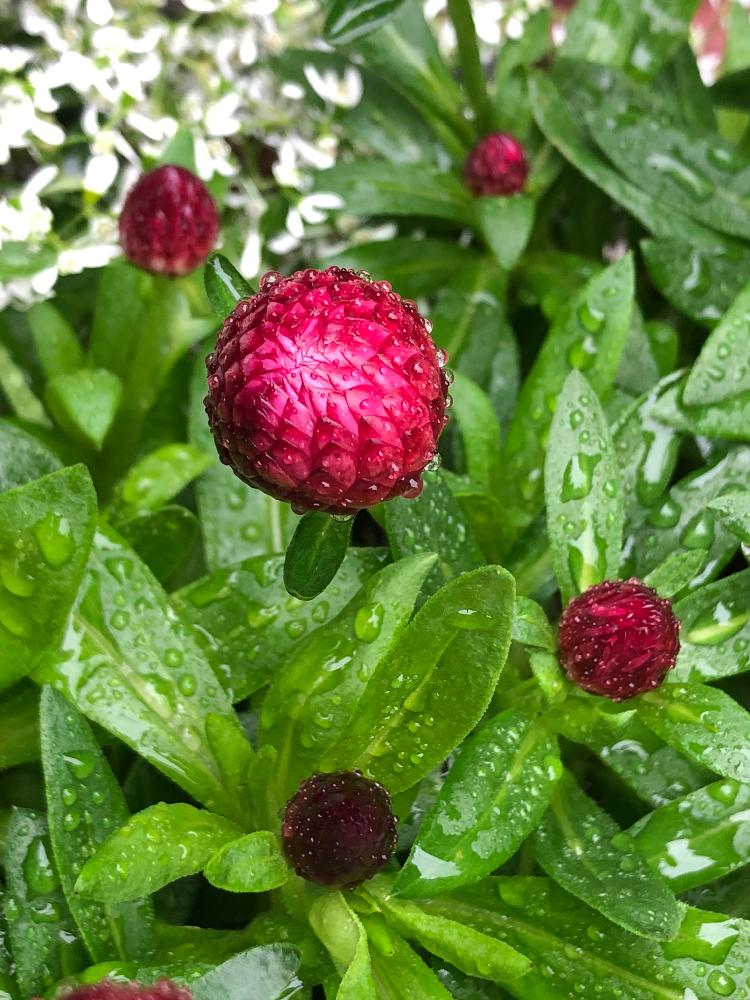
(93,90)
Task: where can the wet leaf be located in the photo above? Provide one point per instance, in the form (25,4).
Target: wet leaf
(348,20)
(157,478)
(734,513)
(315,553)
(405,724)
(316,697)
(272,970)
(698,838)
(341,931)
(54,339)
(163,539)
(46,529)
(583,849)
(587,335)
(530,625)
(398,967)
(480,431)
(584,498)
(19,734)
(156,846)
(41,932)
(248,624)
(225,286)
(23,457)
(133,667)
(675,573)
(84,805)
(253,863)
(505,224)
(492,798)
(704,724)
(84,403)
(722,369)
(715,635)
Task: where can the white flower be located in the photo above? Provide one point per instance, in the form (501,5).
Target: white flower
(13,58)
(250,259)
(314,208)
(101,171)
(99,11)
(220,117)
(344,91)
(77,259)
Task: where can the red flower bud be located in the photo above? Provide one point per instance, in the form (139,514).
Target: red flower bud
(497,165)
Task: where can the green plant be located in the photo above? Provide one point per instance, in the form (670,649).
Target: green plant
(164,695)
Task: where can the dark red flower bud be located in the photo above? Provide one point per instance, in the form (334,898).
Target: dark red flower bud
(108,989)
(339,829)
(497,165)
(169,222)
(619,639)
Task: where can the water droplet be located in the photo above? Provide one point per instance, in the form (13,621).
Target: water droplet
(55,540)
(368,621)
(718,623)
(259,615)
(682,175)
(69,796)
(120,620)
(71,820)
(81,763)
(699,531)
(578,476)
(667,515)
(39,874)
(187,684)
(722,984)
(173,658)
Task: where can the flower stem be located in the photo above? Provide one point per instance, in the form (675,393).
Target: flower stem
(471,65)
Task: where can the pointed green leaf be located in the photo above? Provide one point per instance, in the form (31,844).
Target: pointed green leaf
(505,224)
(714,640)
(84,805)
(253,863)
(271,969)
(23,457)
(156,846)
(348,20)
(492,798)
(54,339)
(157,478)
(46,529)
(583,849)
(315,553)
(584,499)
(405,724)
(225,286)
(84,403)
(722,369)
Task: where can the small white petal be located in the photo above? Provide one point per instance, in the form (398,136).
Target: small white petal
(250,259)
(77,259)
(100,173)
(99,11)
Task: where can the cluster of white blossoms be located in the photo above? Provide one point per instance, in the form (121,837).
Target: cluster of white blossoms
(92,91)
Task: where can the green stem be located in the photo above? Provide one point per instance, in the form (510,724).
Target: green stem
(471,65)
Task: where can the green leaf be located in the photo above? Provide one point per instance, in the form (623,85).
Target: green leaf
(54,339)
(315,553)
(253,863)
(574,844)
(734,513)
(577,952)
(690,173)
(154,847)
(44,950)
(655,771)
(567,135)
(348,20)
(399,971)
(122,299)
(14,386)
(162,539)
(271,969)
(584,500)
(480,431)
(530,625)
(341,931)
(727,420)
(20,260)
(432,522)
(157,478)
(23,457)
(492,798)
(415,267)
(587,335)
(19,734)
(84,403)
(237,522)
(660,33)
(405,723)
(225,286)
(371,187)
(251,627)
(505,224)
(683,521)
(676,572)
(714,640)
(698,838)
(180,150)
(84,803)
(470,950)
(134,668)
(232,749)
(722,369)
(704,724)
(601,31)
(647,454)
(315,698)
(700,281)
(46,529)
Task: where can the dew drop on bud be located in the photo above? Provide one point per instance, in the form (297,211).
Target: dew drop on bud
(364,275)
(448,401)
(442,357)
(269,279)
(434,464)
(428,325)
